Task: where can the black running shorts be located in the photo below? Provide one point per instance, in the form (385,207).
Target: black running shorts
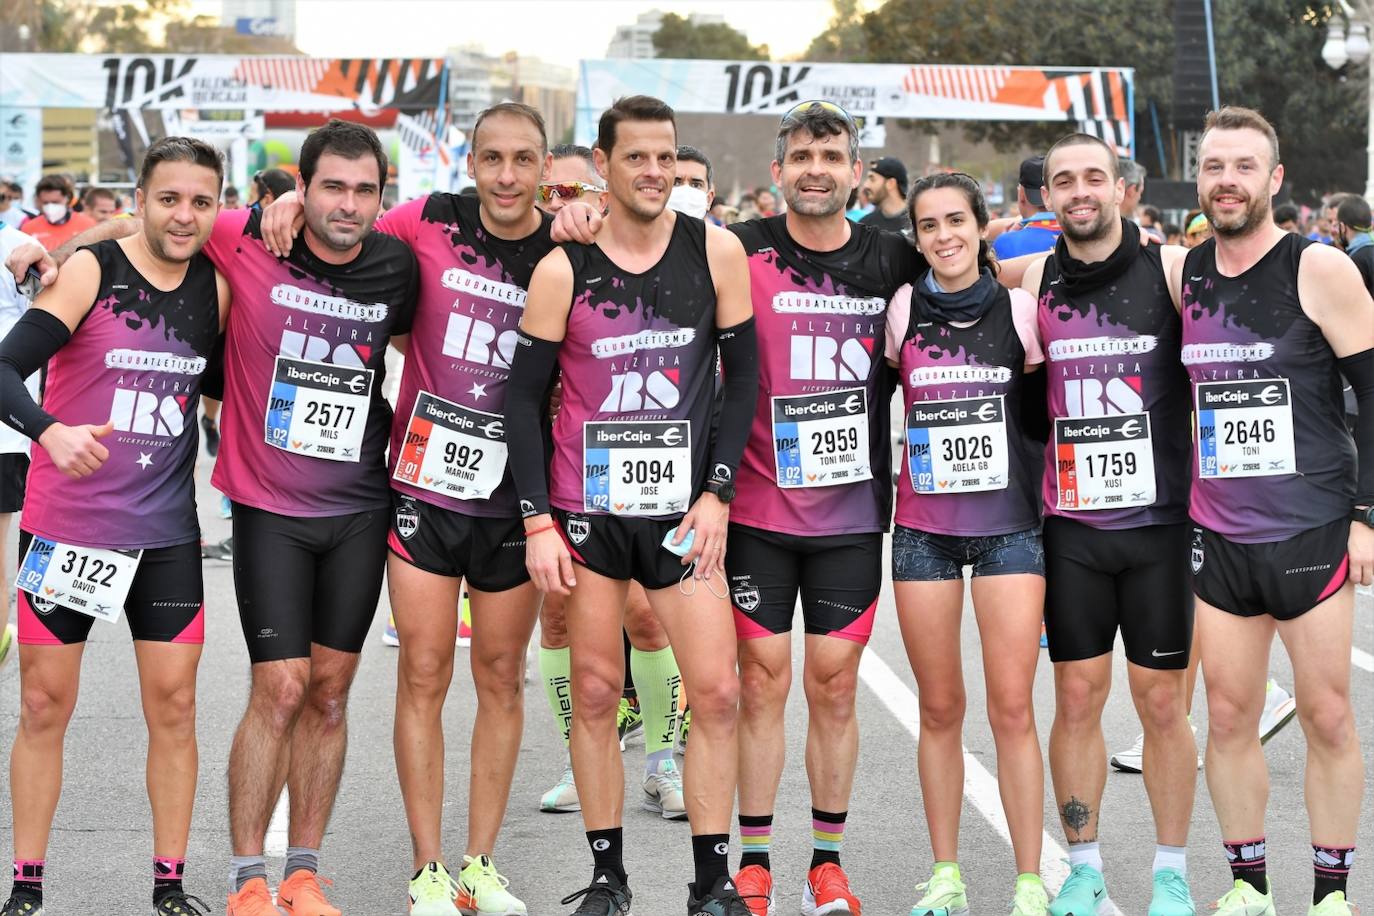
(488,552)
(166,602)
(14,471)
(622,548)
(838,577)
(1284,579)
(1132,579)
(307,580)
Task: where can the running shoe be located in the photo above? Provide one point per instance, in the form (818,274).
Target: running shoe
(389,634)
(754,884)
(1244,900)
(562,798)
(301,895)
(226,508)
(211,430)
(1279,710)
(224,550)
(431,892)
(8,640)
(482,890)
(663,792)
(23,903)
(684,725)
(464,623)
(1133,760)
(1044,637)
(827,891)
(943,894)
(607,895)
(1030,898)
(180,903)
(1084,894)
(1171,896)
(722,900)
(253,899)
(629,721)
(1333,904)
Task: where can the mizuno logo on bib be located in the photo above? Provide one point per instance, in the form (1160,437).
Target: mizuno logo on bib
(821,440)
(641,467)
(957,446)
(318,409)
(453,450)
(1244,429)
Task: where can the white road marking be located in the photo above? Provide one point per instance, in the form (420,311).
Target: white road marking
(276,829)
(980,786)
(1362,659)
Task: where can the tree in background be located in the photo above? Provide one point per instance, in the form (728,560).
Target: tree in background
(679,38)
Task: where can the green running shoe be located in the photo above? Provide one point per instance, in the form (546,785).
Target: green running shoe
(1171,896)
(944,893)
(432,891)
(1031,898)
(1084,894)
(629,721)
(1333,904)
(1244,900)
(482,890)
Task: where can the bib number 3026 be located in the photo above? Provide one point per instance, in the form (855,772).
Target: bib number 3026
(452,449)
(1245,429)
(318,409)
(641,467)
(957,446)
(821,440)
(92,581)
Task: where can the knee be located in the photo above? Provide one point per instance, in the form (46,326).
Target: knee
(942,710)
(762,687)
(715,700)
(172,710)
(425,672)
(645,632)
(595,696)
(279,701)
(1078,700)
(553,623)
(1161,705)
(831,692)
(1229,717)
(328,699)
(44,707)
(1011,713)
(1327,720)
(500,677)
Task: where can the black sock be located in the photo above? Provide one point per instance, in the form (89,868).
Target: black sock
(1331,867)
(710,854)
(755,838)
(608,850)
(1247,863)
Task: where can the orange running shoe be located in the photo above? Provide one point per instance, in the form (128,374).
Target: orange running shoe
(253,899)
(301,895)
(754,884)
(827,891)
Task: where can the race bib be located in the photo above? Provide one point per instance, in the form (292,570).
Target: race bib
(318,409)
(87,579)
(1104,462)
(1244,429)
(452,450)
(639,467)
(821,440)
(957,446)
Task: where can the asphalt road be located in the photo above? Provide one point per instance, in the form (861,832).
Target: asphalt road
(99,858)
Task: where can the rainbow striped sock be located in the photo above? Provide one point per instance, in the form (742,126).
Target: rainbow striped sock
(827,835)
(755,838)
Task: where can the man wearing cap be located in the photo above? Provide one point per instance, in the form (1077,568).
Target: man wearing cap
(1038,229)
(885,185)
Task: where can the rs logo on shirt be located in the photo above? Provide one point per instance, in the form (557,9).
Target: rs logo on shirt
(471,340)
(1092,397)
(318,349)
(633,391)
(827,359)
(146,413)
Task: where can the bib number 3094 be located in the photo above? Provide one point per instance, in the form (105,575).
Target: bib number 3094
(318,409)
(957,446)
(637,468)
(92,581)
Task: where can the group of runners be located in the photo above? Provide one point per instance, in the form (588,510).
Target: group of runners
(719,447)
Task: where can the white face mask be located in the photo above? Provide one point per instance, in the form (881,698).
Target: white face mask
(55,212)
(688,201)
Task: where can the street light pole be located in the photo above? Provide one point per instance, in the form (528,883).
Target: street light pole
(1350,44)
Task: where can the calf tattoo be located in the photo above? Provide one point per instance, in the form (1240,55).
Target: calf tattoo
(1076,813)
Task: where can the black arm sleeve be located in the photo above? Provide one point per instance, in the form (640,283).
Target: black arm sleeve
(739,362)
(1358,370)
(33,340)
(212,379)
(531,375)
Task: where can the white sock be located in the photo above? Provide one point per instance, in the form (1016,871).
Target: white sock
(1085,854)
(1172,857)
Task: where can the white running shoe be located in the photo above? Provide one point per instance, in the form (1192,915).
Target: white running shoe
(562,798)
(1132,760)
(389,635)
(663,792)
(1279,709)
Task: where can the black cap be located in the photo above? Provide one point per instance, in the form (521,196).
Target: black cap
(1032,179)
(891,167)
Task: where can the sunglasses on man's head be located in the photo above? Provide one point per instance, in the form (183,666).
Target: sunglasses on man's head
(796,111)
(565,190)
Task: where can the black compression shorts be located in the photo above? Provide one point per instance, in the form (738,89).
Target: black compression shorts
(166,602)
(488,552)
(307,580)
(838,577)
(1132,579)
(14,471)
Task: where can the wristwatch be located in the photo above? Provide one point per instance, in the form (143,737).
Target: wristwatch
(723,490)
(1365,515)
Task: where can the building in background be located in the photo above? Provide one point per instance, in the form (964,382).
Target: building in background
(478,80)
(263,18)
(637,39)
